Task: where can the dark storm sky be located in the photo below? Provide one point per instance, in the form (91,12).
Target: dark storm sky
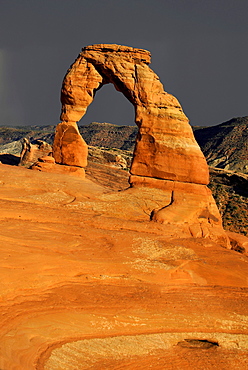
(199,50)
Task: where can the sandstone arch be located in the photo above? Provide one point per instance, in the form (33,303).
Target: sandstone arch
(165,145)
(166,155)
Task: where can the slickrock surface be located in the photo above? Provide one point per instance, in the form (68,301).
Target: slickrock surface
(89,282)
(165,145)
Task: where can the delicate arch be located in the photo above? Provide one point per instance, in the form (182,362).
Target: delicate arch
(172,153)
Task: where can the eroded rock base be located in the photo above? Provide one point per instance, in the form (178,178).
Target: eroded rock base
(185,203)
(47,164)
(69,147)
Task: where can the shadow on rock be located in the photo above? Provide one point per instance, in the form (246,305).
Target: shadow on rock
(10,159)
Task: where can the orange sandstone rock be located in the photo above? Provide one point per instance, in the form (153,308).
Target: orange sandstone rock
(69,147)
(238,242)
(87,281)
(47,164)
(191,204)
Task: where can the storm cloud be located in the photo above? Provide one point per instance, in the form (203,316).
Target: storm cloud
(199,51)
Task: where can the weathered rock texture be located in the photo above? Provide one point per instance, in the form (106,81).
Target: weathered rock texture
(32,151)
(165,145)
(229,189)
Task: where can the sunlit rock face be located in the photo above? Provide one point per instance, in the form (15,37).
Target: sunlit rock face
(69,147)
(165,145)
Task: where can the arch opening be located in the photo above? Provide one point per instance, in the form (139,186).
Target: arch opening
(111,106)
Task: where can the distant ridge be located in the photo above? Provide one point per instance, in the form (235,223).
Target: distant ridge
(109,135)
(226,145)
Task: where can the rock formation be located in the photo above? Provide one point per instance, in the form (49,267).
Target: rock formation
(31,151)
(69,147)
(166,155)
(47,164)
(165,145)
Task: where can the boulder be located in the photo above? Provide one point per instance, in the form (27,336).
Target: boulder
(238,242)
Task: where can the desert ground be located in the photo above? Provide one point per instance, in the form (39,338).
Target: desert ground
(89,282)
